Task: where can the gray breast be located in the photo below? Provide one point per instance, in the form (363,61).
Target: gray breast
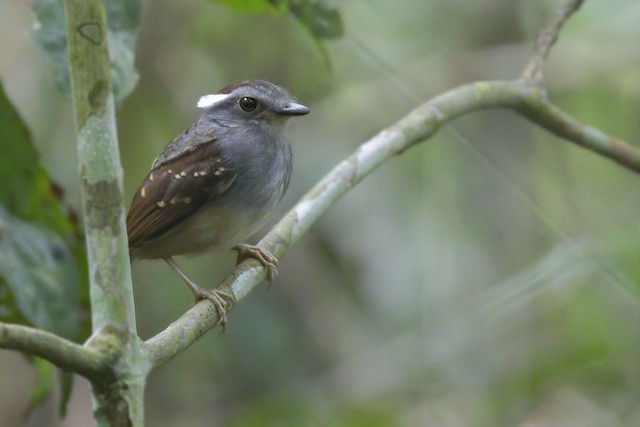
(262,175)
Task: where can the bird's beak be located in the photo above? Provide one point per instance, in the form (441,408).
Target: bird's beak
(293,109)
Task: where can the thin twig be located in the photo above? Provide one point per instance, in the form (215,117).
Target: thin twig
(533,73)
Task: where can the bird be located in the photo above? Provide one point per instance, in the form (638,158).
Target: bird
(216,183)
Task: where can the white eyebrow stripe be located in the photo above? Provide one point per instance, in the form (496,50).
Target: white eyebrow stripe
(207,101)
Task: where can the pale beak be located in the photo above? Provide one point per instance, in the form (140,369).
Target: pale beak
(293,109)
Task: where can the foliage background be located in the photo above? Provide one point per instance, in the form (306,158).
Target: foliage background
(486,278)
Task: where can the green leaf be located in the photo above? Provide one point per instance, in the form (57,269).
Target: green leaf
(40,272)
(65,382)
(123,18)
(44,384)
(254,6)
(26,190)
(30,200)
(321,21)
(43,277)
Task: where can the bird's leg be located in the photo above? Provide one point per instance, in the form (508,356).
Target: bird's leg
(220,299)
(266,258)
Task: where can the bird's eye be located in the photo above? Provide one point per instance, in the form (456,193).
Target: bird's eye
(247,103)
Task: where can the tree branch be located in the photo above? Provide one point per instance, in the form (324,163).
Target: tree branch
(100,169)
(419,125)
(120,401)
(533,72)
(65,354)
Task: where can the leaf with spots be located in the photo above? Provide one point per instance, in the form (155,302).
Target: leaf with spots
(123,17)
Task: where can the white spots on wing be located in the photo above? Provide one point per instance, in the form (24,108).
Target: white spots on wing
(210,100)
(151,176)
(143,191)
(219,171)
(175,200)
(180,175)
(218,159)
(203,173)
(196,174)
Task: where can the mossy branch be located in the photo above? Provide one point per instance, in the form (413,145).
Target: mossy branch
(67,355)
(117,402)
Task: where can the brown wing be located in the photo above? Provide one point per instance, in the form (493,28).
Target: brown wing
(176,189)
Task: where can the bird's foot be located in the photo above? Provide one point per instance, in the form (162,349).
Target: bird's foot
(222,301)
(266,258)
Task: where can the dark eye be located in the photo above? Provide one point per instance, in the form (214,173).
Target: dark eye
(247,103)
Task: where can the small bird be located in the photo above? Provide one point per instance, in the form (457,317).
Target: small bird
(217,182)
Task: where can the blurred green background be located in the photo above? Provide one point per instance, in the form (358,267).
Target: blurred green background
(488,277)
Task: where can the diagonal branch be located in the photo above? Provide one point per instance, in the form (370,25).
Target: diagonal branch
(67,355)
(419,125)
(533,72)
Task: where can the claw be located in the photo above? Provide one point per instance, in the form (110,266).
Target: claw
(221,301)
(266,258)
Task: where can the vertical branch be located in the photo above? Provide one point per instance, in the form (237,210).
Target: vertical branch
(100,169)
(116,402)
